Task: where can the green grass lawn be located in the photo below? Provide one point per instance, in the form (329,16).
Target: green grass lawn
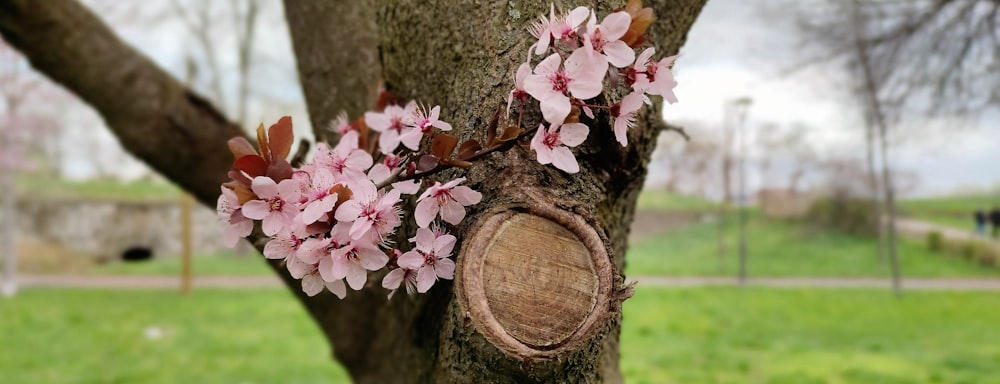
(955,211)
(780,248)
(53,188)
(658,199)
(670,335)
(757,335)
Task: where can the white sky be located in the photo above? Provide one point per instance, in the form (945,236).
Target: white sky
(731,52)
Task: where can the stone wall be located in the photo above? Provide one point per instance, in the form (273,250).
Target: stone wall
(105,229)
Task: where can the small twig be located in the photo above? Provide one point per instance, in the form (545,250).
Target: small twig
(300,154)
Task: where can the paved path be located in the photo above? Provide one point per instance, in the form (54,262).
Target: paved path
(918,229)
(932,284)
(169,282)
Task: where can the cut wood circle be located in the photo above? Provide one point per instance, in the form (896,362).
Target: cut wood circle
(536,283)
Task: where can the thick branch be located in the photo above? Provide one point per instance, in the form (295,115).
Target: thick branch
(335,46)
(176,132)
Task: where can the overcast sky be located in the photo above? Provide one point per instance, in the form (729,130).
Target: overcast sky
(732,51)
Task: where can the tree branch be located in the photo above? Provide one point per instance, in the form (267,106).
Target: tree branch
(155,117)
(337,54)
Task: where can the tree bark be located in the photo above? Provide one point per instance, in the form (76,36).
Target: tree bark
(465,64)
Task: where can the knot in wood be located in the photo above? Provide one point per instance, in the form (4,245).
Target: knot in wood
(536,284)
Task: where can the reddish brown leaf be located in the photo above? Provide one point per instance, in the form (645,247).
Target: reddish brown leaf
(252,165)
(243,192)
(491,131)
(468,149)
(279,169)
(280,138)
(641,19)
(240,147)
(343,194)
(426,163)
(443,145)
(265,151)
(238,177)
(510,133)
(385,99)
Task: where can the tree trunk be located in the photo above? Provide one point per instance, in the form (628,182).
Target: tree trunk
(474,330)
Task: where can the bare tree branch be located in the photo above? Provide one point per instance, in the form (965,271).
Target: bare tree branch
(177,132)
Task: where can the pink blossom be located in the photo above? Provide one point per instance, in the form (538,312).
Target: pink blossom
(552,145)
(352,261)
(318,199)
(313,283)
(424,121)
(231,214)
(383,170)
(391,123)
(277,206)
(582,78)
(605,37)
(430,258)
(344,159)
(340,125)
(623,115)
(400,276)
(519,93)
(282,247)
(561,28)
(376,211)
(449,199)
(655,78)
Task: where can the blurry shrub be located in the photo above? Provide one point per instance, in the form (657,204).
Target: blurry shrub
(846,214)
(934,241)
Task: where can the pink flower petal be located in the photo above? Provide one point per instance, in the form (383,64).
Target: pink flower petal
(264,187)
(424,240)
(619,54)
(411,260)
(452,212)
(393,279)
(273,223)
(337,288)
(444,244)
(312,284)
(556,108)
(563,159)
(425,279)
(615,25)
(620,126)
(573,134)
(466,196)
(356,276)
(445,269)
(426,211)
(348,211)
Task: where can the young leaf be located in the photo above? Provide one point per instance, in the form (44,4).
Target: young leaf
(641,19)
(510,133)
(426,163)
(240,147)
(468,149)
(252,165)
(279,169)
(491,131)
(443,145)
(280,138)
(265,150)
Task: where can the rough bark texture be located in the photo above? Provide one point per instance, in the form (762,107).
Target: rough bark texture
(459,54)
(337,56)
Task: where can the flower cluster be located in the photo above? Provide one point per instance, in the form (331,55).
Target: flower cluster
(332,221)
(583,60)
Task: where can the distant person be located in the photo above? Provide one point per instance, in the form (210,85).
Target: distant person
(980,217)
(995,220)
